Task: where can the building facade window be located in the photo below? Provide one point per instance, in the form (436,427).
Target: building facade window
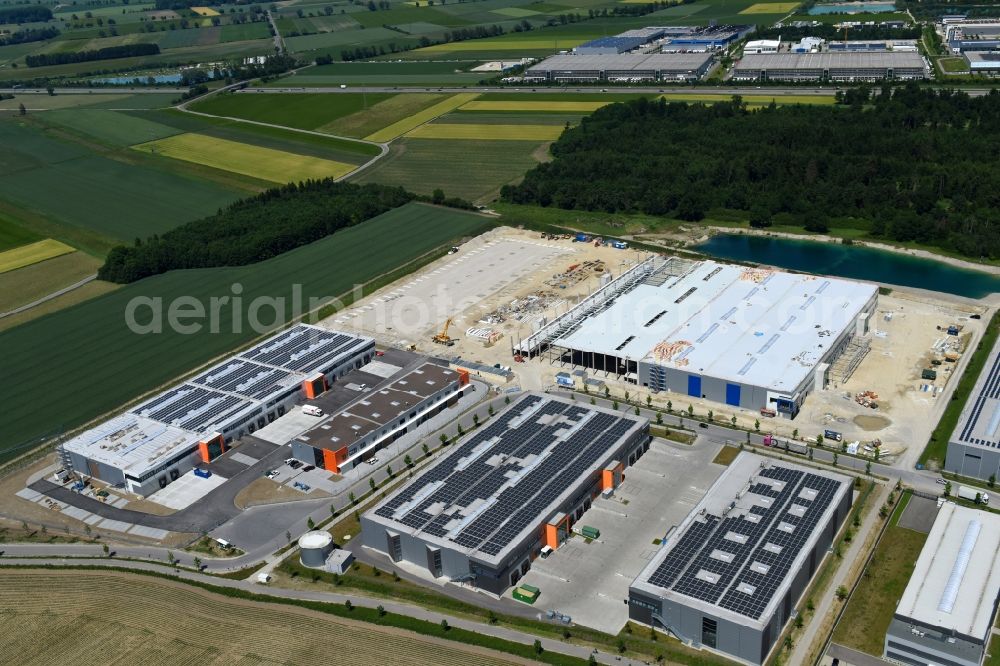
(709,632)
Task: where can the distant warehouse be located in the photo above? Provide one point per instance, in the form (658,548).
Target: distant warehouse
(624,67)
(151,445)
(946,613)
(830,67)
(482,513)
(748,337)
(729,577)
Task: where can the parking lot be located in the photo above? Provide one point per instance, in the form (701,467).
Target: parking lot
(589,581)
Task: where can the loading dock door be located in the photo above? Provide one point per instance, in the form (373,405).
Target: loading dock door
(733,395)
(694,385)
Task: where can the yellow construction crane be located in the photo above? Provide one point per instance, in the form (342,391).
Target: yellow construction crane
(442,338)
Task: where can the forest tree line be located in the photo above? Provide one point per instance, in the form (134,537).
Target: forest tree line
(107,53)
(254,229)
(25,14)
(907,164)
(29,35)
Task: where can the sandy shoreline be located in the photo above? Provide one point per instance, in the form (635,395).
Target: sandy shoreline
(923,254)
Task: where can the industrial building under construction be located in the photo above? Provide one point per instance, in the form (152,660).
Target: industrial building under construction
(747,337)
(504,493)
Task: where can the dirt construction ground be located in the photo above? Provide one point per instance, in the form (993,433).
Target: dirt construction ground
(86,617)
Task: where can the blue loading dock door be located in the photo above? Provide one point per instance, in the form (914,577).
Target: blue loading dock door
(733,395)
(694,385)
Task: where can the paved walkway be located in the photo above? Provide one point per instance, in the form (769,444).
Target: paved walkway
(400,608)
(848,656)
(49,297)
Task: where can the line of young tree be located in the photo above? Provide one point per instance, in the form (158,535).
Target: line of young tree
(29,35)
(907,164)
(107,53)
(25,14)
(254,229)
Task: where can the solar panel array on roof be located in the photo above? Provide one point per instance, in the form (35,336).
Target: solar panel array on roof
(738,561)
(988,387)
(503,479)
(193,408)
(243,377)
(302,348)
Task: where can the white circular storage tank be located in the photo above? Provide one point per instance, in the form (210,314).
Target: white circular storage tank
(315,547)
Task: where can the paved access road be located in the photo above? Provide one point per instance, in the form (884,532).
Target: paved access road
(399,608)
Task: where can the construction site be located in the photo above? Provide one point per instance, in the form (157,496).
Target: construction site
(481,306)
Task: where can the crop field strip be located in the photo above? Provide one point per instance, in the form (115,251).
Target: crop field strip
(530,105)
(268,164)
(87,617)
(480,132)
(405,125)
(92,343)
(303,111)
(770,8)
(29,283)
(15,235)
(27,255)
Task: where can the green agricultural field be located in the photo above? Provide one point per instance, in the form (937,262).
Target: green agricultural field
(45,102)
(304,111)
(113,127)
(117,196)
(14,235)
(29,283)
(404,125)
(377,73)
(382,114)
(473,170)
(486,132)
(110,365)
(277,166)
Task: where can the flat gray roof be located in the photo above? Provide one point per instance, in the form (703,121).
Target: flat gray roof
(831,60)
(623,62)
(979,422)
(956,580)
(502,482)
(748,325)
(739,549)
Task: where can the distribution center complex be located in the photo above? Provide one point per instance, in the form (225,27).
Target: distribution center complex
(487,509)
(842,66)
(945,615)
(341,442)
(747,337)
(151,445)
(728,577)
(974,446)
(623,67)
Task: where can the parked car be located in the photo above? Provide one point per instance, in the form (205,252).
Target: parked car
(380,353)
(308,468)
(271,473)
(702,425)
(295,464)
(372,461)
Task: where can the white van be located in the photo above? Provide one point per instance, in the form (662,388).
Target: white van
(311,410)
(546,551)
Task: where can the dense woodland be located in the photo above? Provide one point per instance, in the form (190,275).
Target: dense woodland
(907,165)
(25,14)
(107,53)
(29,35)
(254,229)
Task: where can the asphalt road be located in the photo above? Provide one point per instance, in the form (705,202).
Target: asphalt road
(544,90)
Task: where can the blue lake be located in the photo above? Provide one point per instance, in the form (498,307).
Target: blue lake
(850,261)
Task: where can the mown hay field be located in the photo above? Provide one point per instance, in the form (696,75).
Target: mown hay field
(477,132)
(404,125)
(277,166)
(770,8)
(96,617)
(111,364)
(27,255)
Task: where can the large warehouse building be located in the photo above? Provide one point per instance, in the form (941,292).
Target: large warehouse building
(151,445)
(623,67)
(946,613)
(974,446)
(829,66)
(747,337)
(729,576)
(482,513)
(354,434)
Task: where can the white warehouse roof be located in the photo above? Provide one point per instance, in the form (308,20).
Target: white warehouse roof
(747,325)
(956,580)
